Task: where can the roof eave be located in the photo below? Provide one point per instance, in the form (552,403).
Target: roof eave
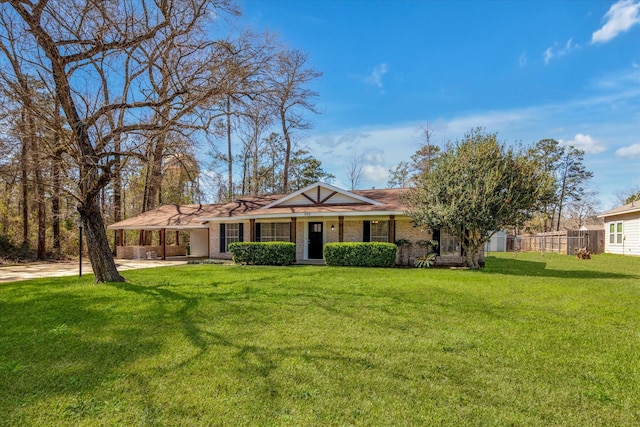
(304,214)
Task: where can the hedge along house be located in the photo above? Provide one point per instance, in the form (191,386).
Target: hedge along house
(310,218)
(622,229)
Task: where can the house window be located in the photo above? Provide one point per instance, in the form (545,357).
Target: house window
(449,244)
(375,231)
(612,233)
(230,233)
(274,232)
(616,236)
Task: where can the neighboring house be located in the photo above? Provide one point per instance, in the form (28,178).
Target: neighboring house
(310,217)
(497,243)
(622,229)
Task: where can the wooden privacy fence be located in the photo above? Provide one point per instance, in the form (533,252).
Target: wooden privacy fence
(563,242)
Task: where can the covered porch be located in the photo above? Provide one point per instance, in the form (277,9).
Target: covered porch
(167,232)
(162,243)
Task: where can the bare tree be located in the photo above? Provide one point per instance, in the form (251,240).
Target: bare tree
(93,47)
(572,176)
(291,97)
(585,210)
(405,174)
(353,171)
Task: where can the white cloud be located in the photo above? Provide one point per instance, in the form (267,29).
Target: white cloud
(375,173)
(558,50)
(621,16)
(375,78)
(586,143)
(631,151)
(522,61)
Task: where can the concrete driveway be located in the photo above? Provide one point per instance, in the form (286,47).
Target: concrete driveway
(42,270)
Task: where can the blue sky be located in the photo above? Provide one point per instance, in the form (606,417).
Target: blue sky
(528,70)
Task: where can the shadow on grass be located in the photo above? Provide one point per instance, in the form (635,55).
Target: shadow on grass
(191,331)
(55,343)
(519,267)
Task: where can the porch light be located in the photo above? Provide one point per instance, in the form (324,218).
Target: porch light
(332,227)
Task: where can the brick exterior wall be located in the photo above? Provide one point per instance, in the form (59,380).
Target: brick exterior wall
(300,242)
(352,232)
(406,230)
(214,239)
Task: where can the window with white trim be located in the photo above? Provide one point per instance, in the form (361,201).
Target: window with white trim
(379,231)
(275,232)
(616,235)
(449,244)
(375,231)
(230,233)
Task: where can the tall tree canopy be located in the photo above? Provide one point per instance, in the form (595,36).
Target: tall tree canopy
(476,187)
(565,165)
(120,71)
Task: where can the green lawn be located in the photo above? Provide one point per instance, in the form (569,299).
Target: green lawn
(529,341)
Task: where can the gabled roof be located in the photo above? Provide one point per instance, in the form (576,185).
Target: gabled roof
(315,200)
(322,194)
(190,216)
(628,208)
(388,202)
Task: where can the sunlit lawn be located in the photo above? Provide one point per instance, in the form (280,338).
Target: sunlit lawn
(531,340)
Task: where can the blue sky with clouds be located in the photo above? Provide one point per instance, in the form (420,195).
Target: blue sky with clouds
(529,70)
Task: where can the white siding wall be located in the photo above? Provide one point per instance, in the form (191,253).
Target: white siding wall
(198,242)
(631,235)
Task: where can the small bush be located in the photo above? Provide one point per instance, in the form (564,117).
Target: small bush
(263,253)
(426,261)
(360,254)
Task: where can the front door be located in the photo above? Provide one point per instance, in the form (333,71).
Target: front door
(315,240)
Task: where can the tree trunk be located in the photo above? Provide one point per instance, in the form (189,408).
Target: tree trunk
(287,152)
(40,203)
(41,252)
(24,160)
(100,256)
(55,197)
(229,152)
(117,191)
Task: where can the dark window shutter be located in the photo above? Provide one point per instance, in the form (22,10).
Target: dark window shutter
(258,237)
(223,246)
(241,232)
(389,230)
(366,231)
(436,237)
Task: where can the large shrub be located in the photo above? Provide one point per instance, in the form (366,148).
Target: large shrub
(360,254)
(263,253)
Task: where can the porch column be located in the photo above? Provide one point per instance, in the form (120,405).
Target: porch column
(141,238)
(120,237)
(177,238)
(341,229)
(163,241)
(252,230)
(392,228)
(292,238)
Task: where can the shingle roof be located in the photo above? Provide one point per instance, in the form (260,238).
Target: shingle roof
(194,216)
(190,216)
(628,208)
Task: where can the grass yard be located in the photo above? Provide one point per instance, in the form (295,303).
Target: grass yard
(529,341)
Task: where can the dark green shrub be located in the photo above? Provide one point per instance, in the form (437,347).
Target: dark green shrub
(360,254)
(263,253)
